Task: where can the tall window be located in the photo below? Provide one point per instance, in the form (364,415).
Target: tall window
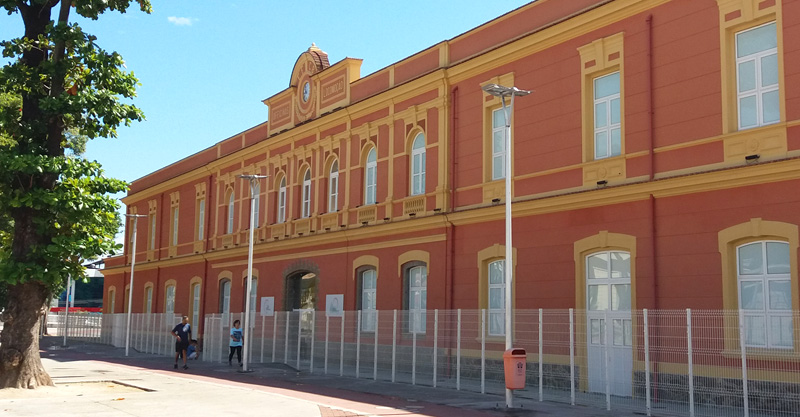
(608,281)
(333,188)
(195,304)
(418,165)
(306,207)
(225,299)
(174,226)
(148,294)
(282,201)
(765,294)
(229,228)
(607,122)
(497,298)
(152,243)
(201,216)
(112,300)
(417,298)
(498,144)
(253,299)
(125,303)
(371,178)
(169,306)
(757,76)
(369,284)
(257,205)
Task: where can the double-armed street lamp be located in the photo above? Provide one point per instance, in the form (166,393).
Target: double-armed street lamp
(135,218)
(254,182)
(504,92)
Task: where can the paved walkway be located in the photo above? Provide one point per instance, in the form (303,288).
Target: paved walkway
(99,380)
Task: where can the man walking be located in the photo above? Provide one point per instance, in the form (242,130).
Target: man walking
(183,334)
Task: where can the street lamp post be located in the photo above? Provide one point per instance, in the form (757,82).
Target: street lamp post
(130,289)
(503,92)
(253,183)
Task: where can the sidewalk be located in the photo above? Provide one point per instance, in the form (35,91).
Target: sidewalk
(95,380)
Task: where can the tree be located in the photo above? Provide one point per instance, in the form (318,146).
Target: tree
(54,206)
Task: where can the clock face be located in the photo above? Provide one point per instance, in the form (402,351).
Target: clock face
(306,91)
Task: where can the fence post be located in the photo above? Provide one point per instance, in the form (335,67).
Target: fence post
(313,338)
(608,326)
(299,325)
(572,356)
(394,344)
(458,353)
(690,363)
(263,324)
(743,349)
(435,342)
(541,356)
(375,351)
(341,348)
(274,333)
(358,343)
(327,330)
(286,340)
(483,351)
(414,354)
(647,361)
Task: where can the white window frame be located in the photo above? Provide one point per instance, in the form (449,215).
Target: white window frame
(306,207)
(112,300)
(253,299)
(417,314)
(371,172)
(418,165)
(257,205)
(149,299)
(767,313)
(759,91)
(498,145)
(225,308)
(282,201)
(609,126)
(152,232)
(333,188)
(195,303)
(231,205)
(496,311)
(369,288)
(169,300)
(201,219)
(175,226)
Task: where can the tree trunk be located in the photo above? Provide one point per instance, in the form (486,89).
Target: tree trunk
(20,364)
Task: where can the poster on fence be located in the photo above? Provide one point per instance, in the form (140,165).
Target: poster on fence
(267,306)
(333,305)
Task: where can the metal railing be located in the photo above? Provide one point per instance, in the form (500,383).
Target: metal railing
(681,362)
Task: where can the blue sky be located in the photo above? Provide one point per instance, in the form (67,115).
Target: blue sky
(206,66)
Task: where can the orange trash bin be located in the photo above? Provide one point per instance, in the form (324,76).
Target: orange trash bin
(514,361)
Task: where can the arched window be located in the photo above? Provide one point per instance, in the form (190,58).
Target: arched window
(257,205)
(333,188)
(148,299)
(282,201)
(169,305)
(112,300)
(417,296)
(371,178)
(497,298)
(306,207)
(368,278)
(195,310)
(253,299)
(225,299)
(229,228)
(765,293)
(418,165)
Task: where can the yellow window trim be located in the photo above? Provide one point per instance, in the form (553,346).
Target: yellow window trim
(598,58)
(494,189)
(729,239)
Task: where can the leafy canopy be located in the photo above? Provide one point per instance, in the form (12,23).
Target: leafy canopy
(59,89)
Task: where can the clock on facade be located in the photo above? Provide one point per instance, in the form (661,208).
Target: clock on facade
(306,91)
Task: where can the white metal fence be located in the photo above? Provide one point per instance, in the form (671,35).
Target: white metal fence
(684,362)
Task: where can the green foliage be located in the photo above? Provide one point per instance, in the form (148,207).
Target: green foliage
(59,90)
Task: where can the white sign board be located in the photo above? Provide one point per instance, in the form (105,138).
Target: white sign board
(267,306)
(333,305)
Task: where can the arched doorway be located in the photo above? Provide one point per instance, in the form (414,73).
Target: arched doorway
(300,302)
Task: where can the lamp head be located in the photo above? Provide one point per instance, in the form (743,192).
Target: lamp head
(502,91)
